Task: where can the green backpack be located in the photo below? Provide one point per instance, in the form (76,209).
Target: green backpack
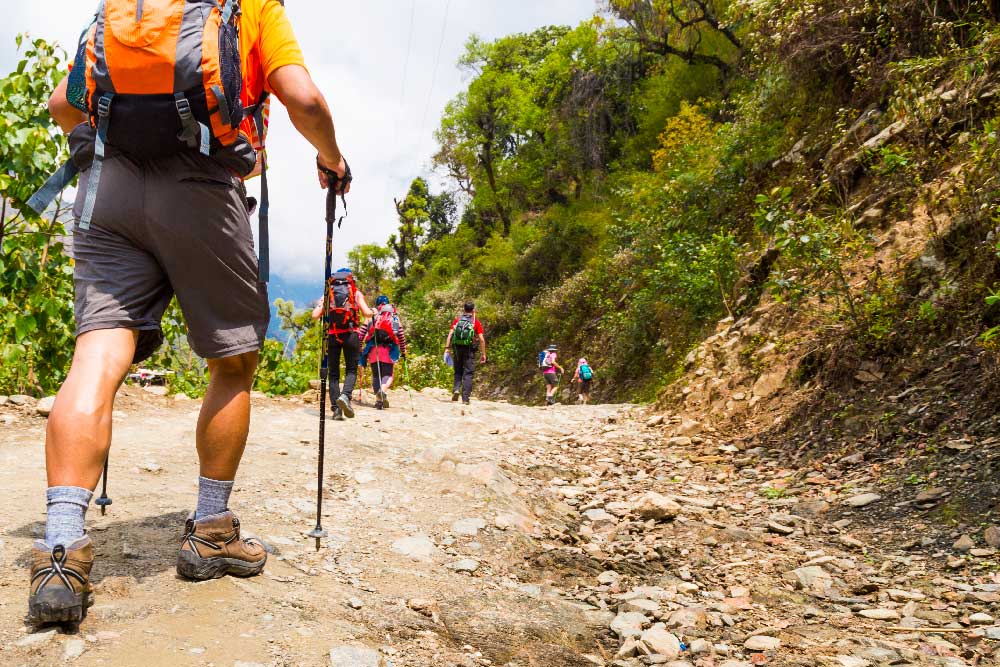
(465,331)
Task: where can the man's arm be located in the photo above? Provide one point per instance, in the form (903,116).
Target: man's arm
(310,115)
(447,343)
(63,113)
(482,347)
(363,306)
(318,310)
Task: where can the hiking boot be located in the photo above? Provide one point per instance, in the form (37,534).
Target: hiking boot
(338,414)
(383,398)
(344,403)
(60,582)
(455,395)
(378,405)
(212,547)
(466,402)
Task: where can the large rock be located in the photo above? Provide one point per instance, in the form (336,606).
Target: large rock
(468,527)
(417,547)
(963,544)
(812,579)
(762,643)
(21,399)
(628,624)
(44,406)
(355,656)
(862,499)
(657,507)
(992,536)
(768,384)
(661,642)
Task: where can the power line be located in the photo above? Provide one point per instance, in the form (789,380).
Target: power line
(437,63)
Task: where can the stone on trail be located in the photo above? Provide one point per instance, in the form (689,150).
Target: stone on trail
(599,518)
(862,499)
(762,643)
(468,527)
(629,624)
(654,421)
(992,536)
(608,578)
(44,406)
(981,618)
(417,547)
(73,649)
(812,578)
(661,642)
(355,656)
(780,529)
(464,565)
(880,614)
(36,638)
(657,507)
(963,544)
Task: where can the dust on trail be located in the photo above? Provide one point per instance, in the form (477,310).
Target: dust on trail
(391,475)
(501,535)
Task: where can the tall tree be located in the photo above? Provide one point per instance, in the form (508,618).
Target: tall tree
(370,262)
(414,219)
(697,31)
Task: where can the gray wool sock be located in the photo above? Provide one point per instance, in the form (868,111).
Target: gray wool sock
(213,497)
(66,508)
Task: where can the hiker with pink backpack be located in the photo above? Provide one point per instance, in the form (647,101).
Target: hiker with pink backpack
(551,370)
(384,345)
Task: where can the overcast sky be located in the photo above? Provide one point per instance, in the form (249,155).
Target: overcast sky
(357,52)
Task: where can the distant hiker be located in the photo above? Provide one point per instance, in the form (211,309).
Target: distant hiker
(584,376)
(465,339)
(385,344)
(164,131)
(347,304)
(550,371)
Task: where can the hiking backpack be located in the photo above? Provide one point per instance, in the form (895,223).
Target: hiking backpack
(465,331)
(384,327)
(159,77)
(343,315)
(547,360)
(586,373)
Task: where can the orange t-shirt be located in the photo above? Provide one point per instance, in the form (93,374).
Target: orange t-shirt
(267,43)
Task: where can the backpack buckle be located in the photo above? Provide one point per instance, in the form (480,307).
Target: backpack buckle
(183,107)
(104,106)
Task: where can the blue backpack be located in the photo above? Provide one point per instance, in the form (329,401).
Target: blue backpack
(586,373)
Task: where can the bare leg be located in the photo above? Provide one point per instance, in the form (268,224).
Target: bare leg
(224,421)
(78,434)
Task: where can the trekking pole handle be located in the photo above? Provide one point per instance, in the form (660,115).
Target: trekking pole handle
(336,188)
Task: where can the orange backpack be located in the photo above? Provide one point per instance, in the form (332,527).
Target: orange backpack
(158,77)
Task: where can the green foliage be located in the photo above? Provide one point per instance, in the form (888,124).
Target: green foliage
(36,289)
(370,263)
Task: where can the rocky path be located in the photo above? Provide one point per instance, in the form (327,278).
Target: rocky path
(502,535)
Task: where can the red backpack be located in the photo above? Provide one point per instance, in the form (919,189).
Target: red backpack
(343,315)
(384,329)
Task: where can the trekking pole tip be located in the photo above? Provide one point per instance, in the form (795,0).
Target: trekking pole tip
(318,534)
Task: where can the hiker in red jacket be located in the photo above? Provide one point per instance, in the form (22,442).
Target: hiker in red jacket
(465,338)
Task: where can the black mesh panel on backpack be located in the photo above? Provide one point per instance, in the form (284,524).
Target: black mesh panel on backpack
(232,76)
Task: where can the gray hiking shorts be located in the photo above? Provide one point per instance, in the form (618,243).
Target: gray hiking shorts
(180,226)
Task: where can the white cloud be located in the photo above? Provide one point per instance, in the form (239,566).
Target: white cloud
(357,53)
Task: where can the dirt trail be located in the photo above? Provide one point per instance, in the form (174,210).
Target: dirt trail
(390,476)
(500,535)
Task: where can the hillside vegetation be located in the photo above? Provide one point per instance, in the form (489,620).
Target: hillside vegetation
(626,183)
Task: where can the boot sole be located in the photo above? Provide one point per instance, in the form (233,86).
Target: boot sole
(61,607)
(191,566)
(345,407)
(385,400)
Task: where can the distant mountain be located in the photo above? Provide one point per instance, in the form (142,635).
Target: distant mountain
(302,294)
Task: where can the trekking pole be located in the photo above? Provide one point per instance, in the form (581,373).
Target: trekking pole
(335,184)
(103,502)
(409,387)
